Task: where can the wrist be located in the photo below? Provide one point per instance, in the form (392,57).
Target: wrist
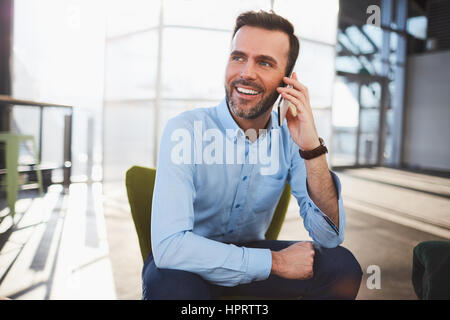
(319,150)
(276,264)
(310,146)
(309,141)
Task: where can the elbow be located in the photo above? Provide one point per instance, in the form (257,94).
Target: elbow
(166,250)
(328,239)
(158,259)
(334,241)
(160,253)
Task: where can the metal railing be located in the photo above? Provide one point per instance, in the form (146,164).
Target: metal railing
(10,102)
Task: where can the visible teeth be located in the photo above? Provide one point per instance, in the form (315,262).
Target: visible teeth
(246,91)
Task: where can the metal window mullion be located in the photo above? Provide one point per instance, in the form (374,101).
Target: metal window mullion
(158,86)
(400,79)
(386,19)
(358,130)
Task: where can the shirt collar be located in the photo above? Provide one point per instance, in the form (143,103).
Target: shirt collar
(228,122)
(273,121)
(225,117)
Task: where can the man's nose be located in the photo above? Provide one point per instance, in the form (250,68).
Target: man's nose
(248,71)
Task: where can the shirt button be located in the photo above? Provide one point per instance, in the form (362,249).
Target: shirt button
(244,178)
(237,206)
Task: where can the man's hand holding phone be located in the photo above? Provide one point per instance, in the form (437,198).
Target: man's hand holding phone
(301,125)
(321,188)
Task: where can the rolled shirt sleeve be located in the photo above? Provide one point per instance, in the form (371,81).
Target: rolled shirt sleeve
(319,226)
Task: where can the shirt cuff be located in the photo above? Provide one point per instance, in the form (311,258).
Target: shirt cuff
(259,264)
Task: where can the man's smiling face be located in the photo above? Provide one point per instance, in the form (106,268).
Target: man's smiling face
(255,69)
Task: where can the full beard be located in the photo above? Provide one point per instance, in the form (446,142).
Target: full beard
(254,112)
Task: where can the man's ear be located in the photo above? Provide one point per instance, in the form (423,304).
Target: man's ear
(289,71)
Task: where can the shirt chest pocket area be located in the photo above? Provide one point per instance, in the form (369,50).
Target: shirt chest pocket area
(267,193)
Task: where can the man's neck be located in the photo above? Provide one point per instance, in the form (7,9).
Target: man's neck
(255,124)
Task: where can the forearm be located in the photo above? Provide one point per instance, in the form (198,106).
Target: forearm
(321,188)
(276,263)
(217,262)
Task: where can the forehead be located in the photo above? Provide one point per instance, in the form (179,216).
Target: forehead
(259,41)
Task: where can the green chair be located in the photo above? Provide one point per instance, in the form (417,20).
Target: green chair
(140,182)
(12,142)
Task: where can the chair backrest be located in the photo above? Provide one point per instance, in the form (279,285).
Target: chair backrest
(280,213)
(140,182)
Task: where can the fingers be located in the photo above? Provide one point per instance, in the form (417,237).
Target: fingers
(310,261)
(297,105)
(294,101)
(296,84)
(300,95)
(295,93)
(298,261)
(310,250)
(308,274)
(306,244)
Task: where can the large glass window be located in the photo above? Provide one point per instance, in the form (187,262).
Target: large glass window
(130,71)
(134,15)
(372,58)
(314,69)
(58,57)
(315,20)
(110,60)
(193,63)
(208,14)
(345,121)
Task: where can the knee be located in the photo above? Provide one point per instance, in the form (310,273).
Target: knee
(343,271)
(168,284)
(349,266)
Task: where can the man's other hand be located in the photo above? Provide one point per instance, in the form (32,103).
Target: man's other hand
(294,262)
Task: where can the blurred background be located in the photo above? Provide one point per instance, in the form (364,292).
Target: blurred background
(94,82)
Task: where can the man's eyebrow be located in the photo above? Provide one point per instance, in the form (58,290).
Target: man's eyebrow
(237,53)
(261,56)
(268,58)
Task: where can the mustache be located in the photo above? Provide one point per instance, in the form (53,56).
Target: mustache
(243,82)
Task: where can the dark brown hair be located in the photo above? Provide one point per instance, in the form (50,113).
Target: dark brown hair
(271,21)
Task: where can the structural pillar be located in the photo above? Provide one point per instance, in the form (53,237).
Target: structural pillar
(6,27)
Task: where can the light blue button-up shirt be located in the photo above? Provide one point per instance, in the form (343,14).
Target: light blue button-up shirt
(215,189)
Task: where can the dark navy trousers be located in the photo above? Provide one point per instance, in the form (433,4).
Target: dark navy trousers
(337,275)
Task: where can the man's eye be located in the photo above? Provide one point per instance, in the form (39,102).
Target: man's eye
(237,58)
(265,64)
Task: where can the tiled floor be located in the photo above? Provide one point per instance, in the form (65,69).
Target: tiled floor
(83,245)
(58,248)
